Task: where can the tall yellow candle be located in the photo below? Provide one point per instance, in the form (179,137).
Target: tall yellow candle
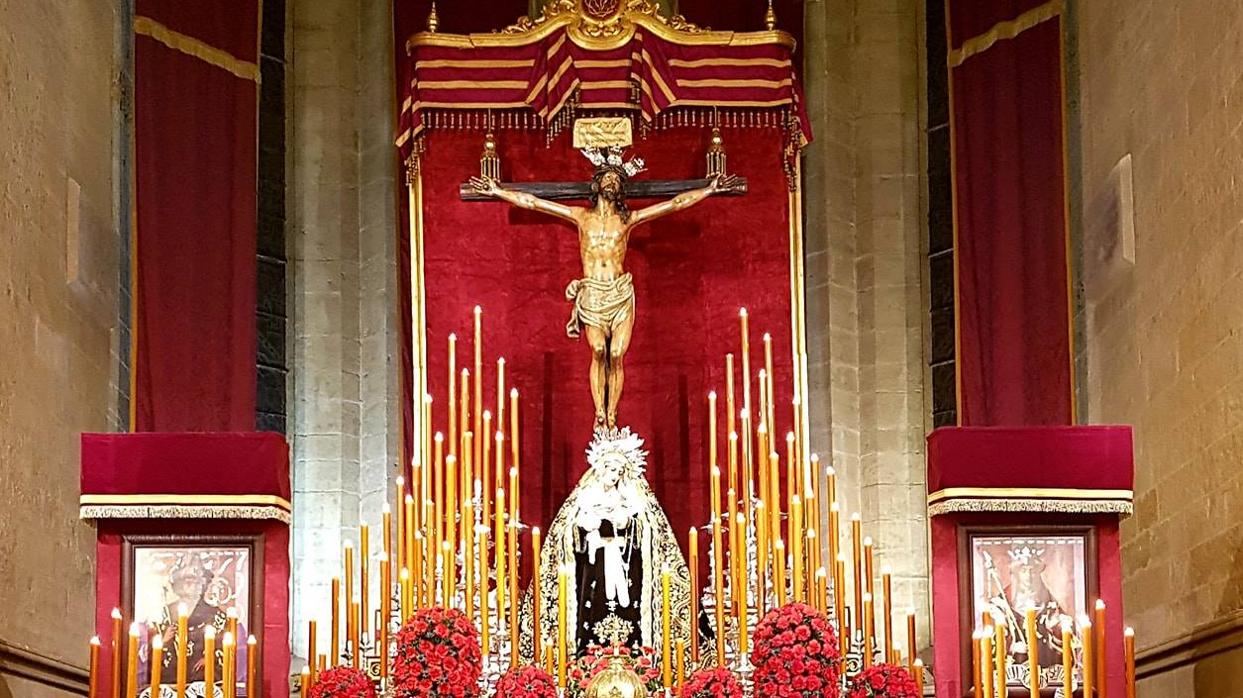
(311,646)
(465,450)
(209,658)
(869,566)
(839,601)
(886,587)
(666,628)
(401,521)
(742,488)
(714,492)
(856,539)
(183,636)
(712,457)
(93,668)
(115,647)
(486,489)
(761,558)
(917,671)
(305,684)
(501,550)
(386,534)
(403,594)
(485,613)
(355,654)
(468,555)
(448,576)
(1033,652)
(252,667)
(748,471)
(746,359)
(977,683)
(737,554)
(563,581)
(364,555)
(1088,666)
(774,490)
(513,496)
(770,415)
(1068,658)
(693,539)
(350,618)
(681,662)
(449,544)
(779,575)
(334,649)
(453,406)
(910,636)
(795,534)
(822,590)
(986,663)
(156,665)
(416,590)
(730,426)
(476,424)
(869,641)
(500,406)
(537,635)
(439,479)
(1000,657)
(740,523)
(1128,647)
(718,591)
(513,594)
(1102,653)
(515,456)
(386,600)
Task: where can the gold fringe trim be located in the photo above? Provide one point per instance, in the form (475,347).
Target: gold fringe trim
(232,500)
(1036,506)
(145,26)
(1005,30)
(175,511)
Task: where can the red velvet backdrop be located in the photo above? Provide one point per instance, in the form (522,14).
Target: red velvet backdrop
(692,270)
(195,141)
(1014,334)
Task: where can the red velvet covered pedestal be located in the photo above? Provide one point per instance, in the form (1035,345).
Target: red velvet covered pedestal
(1040,481)
(191,489)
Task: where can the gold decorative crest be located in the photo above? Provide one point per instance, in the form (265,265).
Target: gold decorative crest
(601,25)
(603,132)
(612,629)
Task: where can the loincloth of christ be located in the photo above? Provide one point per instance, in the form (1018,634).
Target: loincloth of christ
(598,303)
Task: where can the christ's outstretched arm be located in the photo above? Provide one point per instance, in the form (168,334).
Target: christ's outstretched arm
(683,200)
(490,187)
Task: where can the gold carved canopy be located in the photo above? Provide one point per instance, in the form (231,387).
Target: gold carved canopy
(600,25)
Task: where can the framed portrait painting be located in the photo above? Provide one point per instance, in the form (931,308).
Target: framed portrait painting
(217,581)
(1004,571)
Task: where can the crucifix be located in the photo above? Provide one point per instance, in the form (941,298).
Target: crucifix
(603,299)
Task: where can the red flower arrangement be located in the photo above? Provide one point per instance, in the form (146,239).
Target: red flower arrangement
(712,683)
(883,681)
(342,682)
(796,654)
(437,656)
(526,682)
(642,661)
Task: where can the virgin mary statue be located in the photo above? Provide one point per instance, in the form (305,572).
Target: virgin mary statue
(614,539)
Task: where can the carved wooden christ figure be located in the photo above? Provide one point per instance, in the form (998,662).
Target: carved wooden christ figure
(604,307)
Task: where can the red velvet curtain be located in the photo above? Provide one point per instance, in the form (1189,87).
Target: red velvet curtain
(692,271)
(1014,332)
(195,147)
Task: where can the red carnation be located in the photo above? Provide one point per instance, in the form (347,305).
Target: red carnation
(712,683)
(342,682)
(437,655)
(796,654)
(883,681)
(526,682)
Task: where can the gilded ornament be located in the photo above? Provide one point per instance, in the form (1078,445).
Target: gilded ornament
(617,680)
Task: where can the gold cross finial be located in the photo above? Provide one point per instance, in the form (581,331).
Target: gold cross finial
(770,17)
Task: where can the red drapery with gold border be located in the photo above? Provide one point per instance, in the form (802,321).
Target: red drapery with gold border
(1012,265)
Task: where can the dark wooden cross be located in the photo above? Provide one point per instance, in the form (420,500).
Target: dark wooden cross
(635,189)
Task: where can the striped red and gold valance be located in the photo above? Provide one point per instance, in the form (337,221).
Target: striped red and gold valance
(632,60)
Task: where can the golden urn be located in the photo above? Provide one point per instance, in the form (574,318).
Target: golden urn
(618,680)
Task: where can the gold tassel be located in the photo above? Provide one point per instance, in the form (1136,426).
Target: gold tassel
(716,154)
